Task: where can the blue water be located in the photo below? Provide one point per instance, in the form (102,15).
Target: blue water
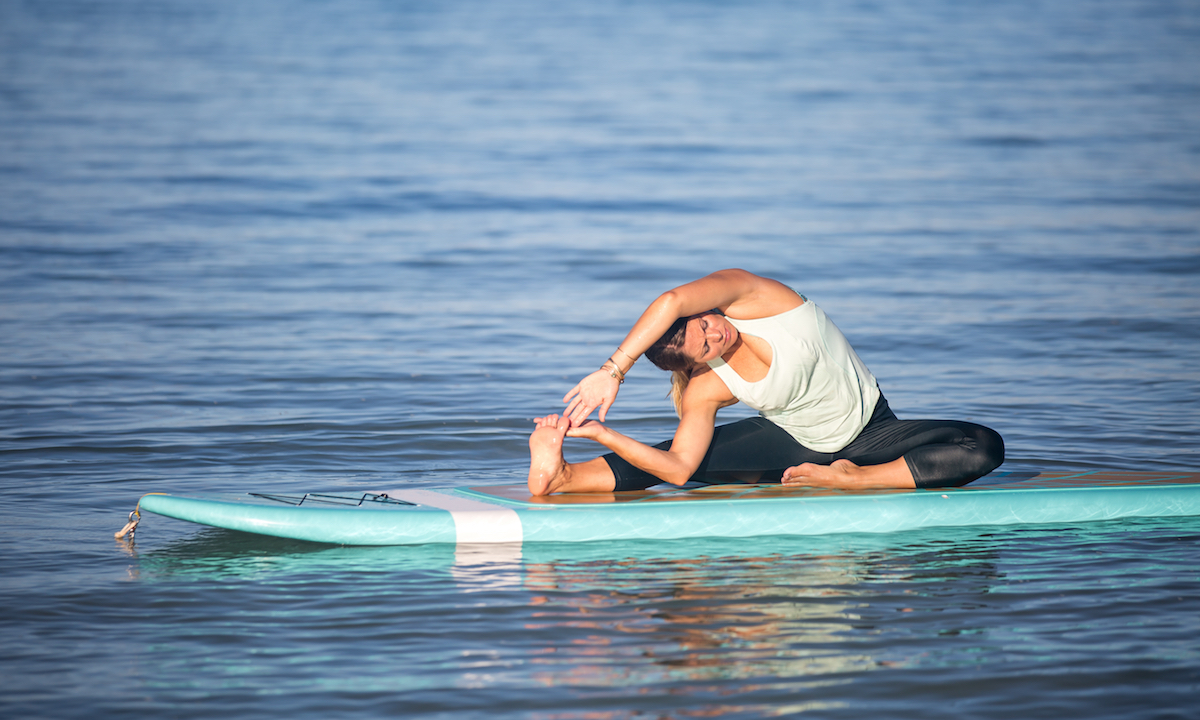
(280,245)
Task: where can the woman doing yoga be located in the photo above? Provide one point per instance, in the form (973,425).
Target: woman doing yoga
(734,336)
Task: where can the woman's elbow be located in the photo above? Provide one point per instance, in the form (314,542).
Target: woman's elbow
(668,303)
(678,476)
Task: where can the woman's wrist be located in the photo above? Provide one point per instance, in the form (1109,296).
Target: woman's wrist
(614,370)
(614,363)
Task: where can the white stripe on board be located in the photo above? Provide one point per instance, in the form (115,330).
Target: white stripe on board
(474,521)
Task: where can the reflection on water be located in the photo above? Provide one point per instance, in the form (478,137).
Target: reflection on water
(493,566)
(669,622)
(213,553)
(737,628)
(740,614)
(612,615)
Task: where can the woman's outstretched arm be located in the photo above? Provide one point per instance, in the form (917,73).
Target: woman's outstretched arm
(734,292)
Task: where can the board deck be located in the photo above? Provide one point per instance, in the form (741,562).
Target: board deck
(509,514)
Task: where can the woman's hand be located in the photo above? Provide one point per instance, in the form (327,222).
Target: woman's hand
(597,390)
(590,430)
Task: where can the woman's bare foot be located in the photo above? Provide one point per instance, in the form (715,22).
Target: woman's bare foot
(547,468)
(840,473)
(846,475)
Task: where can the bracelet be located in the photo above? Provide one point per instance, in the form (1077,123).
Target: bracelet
(614,371)
(631,358)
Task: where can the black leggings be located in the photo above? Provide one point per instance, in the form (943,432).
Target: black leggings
(940,453)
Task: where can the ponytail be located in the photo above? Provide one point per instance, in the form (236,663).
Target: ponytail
(679,383)
(667,354)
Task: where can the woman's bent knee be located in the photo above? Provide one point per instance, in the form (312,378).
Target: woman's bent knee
(977,452)
(990,449)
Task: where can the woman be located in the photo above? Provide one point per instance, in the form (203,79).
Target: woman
(734,336)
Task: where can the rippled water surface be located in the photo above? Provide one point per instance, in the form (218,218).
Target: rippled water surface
(280,245)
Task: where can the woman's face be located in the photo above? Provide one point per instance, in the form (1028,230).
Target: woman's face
(708,337)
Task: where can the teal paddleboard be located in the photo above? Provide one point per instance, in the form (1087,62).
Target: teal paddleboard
(509,514)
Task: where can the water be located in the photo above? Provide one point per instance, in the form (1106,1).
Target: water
(286,245)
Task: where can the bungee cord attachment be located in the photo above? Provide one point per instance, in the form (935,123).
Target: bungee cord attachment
(130,528)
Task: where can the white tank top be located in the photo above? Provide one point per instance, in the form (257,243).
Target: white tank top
(817,389)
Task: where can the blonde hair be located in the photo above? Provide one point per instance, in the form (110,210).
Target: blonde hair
(679,383)
(667,354)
